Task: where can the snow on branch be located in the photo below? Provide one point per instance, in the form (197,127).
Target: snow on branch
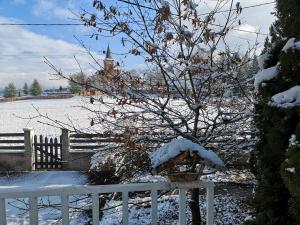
(287,99)
(291,44)
(265,75)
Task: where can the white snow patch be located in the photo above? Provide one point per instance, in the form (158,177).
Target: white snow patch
(17,209)
(291,44)
(43,179)
(291,170)
(293,140)
(148,178)
(177,146)
(249,218)
(287,99)
(264,75)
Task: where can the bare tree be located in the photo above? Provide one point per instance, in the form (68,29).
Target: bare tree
(195,95)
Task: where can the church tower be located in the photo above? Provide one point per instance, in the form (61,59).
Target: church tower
(109,63)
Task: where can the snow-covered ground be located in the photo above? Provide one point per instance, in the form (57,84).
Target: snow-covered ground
(17,209)
(13,114)
(229,210)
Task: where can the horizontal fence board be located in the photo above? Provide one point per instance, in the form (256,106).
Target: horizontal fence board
(84,141)
(11,141)
(21,192)
(11,134)
(95,140)
(95,135)
(87,146)
(21,147)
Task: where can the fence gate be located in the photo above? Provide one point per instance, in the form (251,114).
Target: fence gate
(47,153)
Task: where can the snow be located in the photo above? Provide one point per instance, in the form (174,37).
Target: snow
(291,170)
(148,178)
(69,113)
(229,209)
(179,145)
(44,179)
(231,176)
(287,99)
(291,44)
(249,219)
(265,75)
(49,213)
(293,140)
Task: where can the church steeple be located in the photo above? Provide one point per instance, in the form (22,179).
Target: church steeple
(108,53)
(109,63)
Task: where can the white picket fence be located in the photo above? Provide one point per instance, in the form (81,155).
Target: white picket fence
(65,192)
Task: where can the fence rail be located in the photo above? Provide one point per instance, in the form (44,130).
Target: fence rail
(12,141)
(93,141)
(11,134)
(94,191)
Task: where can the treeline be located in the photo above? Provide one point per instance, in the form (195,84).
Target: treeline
(35,89)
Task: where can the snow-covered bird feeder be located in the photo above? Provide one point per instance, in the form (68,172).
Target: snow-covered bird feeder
(183,160)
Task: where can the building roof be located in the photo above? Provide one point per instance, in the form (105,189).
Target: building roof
(108,53)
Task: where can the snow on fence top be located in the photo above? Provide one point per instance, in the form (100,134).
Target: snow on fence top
(291,44)
(264,75)
(176,147)
(287,99)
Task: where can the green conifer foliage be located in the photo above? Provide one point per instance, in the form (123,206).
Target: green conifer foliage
(10,91)
(290,169)
(25,89)
(35,88)
(275,199)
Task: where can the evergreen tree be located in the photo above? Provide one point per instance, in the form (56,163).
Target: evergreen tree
(25,89)
(35,88)
(276,125)
(10,91)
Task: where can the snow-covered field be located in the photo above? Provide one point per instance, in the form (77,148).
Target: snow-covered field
(14,115)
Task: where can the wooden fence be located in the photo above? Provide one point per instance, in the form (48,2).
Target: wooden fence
(47,153)
(92,141)
(94,191)
(72,151)
(12,141)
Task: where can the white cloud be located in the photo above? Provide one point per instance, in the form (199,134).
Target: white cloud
(22,51)
(54,8)
(246,30)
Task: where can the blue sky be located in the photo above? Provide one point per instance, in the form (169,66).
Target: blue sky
(22,48)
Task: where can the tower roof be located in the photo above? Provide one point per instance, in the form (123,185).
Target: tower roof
(108,53)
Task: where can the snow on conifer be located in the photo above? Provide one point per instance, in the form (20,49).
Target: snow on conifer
(265,75)
(287,99)
(291,44)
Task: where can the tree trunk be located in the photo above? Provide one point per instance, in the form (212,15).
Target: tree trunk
(195,207)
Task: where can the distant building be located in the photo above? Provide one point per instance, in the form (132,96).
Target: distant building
(109,73)
(57,91)
(110,70)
